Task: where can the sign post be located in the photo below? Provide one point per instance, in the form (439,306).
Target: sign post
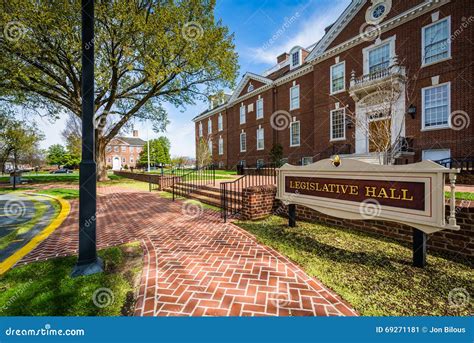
(411,194)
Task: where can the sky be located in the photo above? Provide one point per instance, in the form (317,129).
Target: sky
(262,31)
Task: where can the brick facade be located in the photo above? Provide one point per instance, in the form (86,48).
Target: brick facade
(124,152)
(316,103)
(260,202)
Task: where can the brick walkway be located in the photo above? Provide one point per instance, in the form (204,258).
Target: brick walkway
(194,264)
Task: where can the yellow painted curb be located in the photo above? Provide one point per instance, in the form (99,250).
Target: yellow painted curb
(23,251)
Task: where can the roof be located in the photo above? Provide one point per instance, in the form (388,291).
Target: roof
(132,140)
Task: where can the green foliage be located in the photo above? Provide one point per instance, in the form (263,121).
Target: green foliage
(159,152)
(203,155)
(56,155)
(276,153)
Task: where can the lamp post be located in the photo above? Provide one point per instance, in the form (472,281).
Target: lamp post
(87,262)
(148,147)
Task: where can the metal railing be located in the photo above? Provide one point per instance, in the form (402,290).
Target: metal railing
(466,165)
(231,191)
(191,181)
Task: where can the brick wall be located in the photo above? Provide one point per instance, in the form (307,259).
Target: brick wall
(161,181)
(260,202)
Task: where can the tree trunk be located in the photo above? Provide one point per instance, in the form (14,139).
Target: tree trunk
(100,158)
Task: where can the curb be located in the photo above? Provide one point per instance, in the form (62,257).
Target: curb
(33,243)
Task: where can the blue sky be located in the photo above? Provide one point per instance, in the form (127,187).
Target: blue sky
(254,23)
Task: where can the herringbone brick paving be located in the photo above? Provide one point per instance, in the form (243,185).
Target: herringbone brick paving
(194,264)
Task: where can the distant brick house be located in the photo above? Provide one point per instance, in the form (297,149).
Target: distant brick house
(420,48)
(124,151)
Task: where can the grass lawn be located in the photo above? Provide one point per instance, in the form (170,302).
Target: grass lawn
(63,193)
(460,195)
(373,274)
(46,288)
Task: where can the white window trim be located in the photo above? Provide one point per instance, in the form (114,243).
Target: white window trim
(210,146)
(330,78)
(263,139)
(440,127)
(256,105)
(209,126)
(291,134)
(299,98)
(300,57)
(200,129)
(423,29)
(240,142)
(330,125)
(365,52)
(220,123)
(423,152)
(221,146)
(240,115)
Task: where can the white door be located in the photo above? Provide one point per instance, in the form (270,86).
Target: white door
(436,154)
(116,164)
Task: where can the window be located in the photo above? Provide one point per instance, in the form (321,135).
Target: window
(243,142)
(116,148)
(379,58)
(378,11)
(436,42)
(295,133)
(260,163)
(295,58)
(294,97)
(221,146)
(131,159)
(250,87)
(209,126)
(109,160)
(306,160)
(259,108)
(200,129)
(123,159)
(260,139)
(220,123)
(436,106)
(338,77)
(124,148)
(242,163)
(209,146)
(109,149)
(338,125)
(436,154)
(242,114)
(138,150)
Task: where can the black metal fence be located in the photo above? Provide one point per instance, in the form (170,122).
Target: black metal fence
(193,180)
(465,164)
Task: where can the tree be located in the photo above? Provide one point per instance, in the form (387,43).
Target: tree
(147,52)
(203,155)
(56,155)
(72,135)
(159,152)
(179,161)
(276,154)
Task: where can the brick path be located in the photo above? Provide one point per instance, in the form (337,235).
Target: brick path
(195,265)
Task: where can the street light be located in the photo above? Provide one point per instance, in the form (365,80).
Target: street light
(87,262)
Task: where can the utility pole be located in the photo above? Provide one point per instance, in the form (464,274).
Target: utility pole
(87,262)
(148,147)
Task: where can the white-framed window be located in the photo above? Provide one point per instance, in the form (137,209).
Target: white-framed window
(131,159)
(221,146)
(295,136)
(243,142)
(220,122)
(124,148)
(209,146)
(260,162)
(242,163)
(250,88)
(242,114)
(209,126)
(436,101)
(379,58)
(436,42)
(306,160)
(123,160)
(200,129)
(116,148)
(295,97)
(108,149)
(338,77)
(260,139)
(295,57)
(436,154)
(338,124)
(259,108)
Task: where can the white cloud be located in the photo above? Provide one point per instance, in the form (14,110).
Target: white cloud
(308,29)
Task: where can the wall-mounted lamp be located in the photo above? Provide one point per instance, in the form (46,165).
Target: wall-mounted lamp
(412,111)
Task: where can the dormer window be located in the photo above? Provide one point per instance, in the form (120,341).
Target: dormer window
(295,57)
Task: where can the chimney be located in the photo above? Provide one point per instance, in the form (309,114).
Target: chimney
(135,133)
(282,58)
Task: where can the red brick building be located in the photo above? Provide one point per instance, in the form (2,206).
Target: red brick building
(387,73)
(124,151)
